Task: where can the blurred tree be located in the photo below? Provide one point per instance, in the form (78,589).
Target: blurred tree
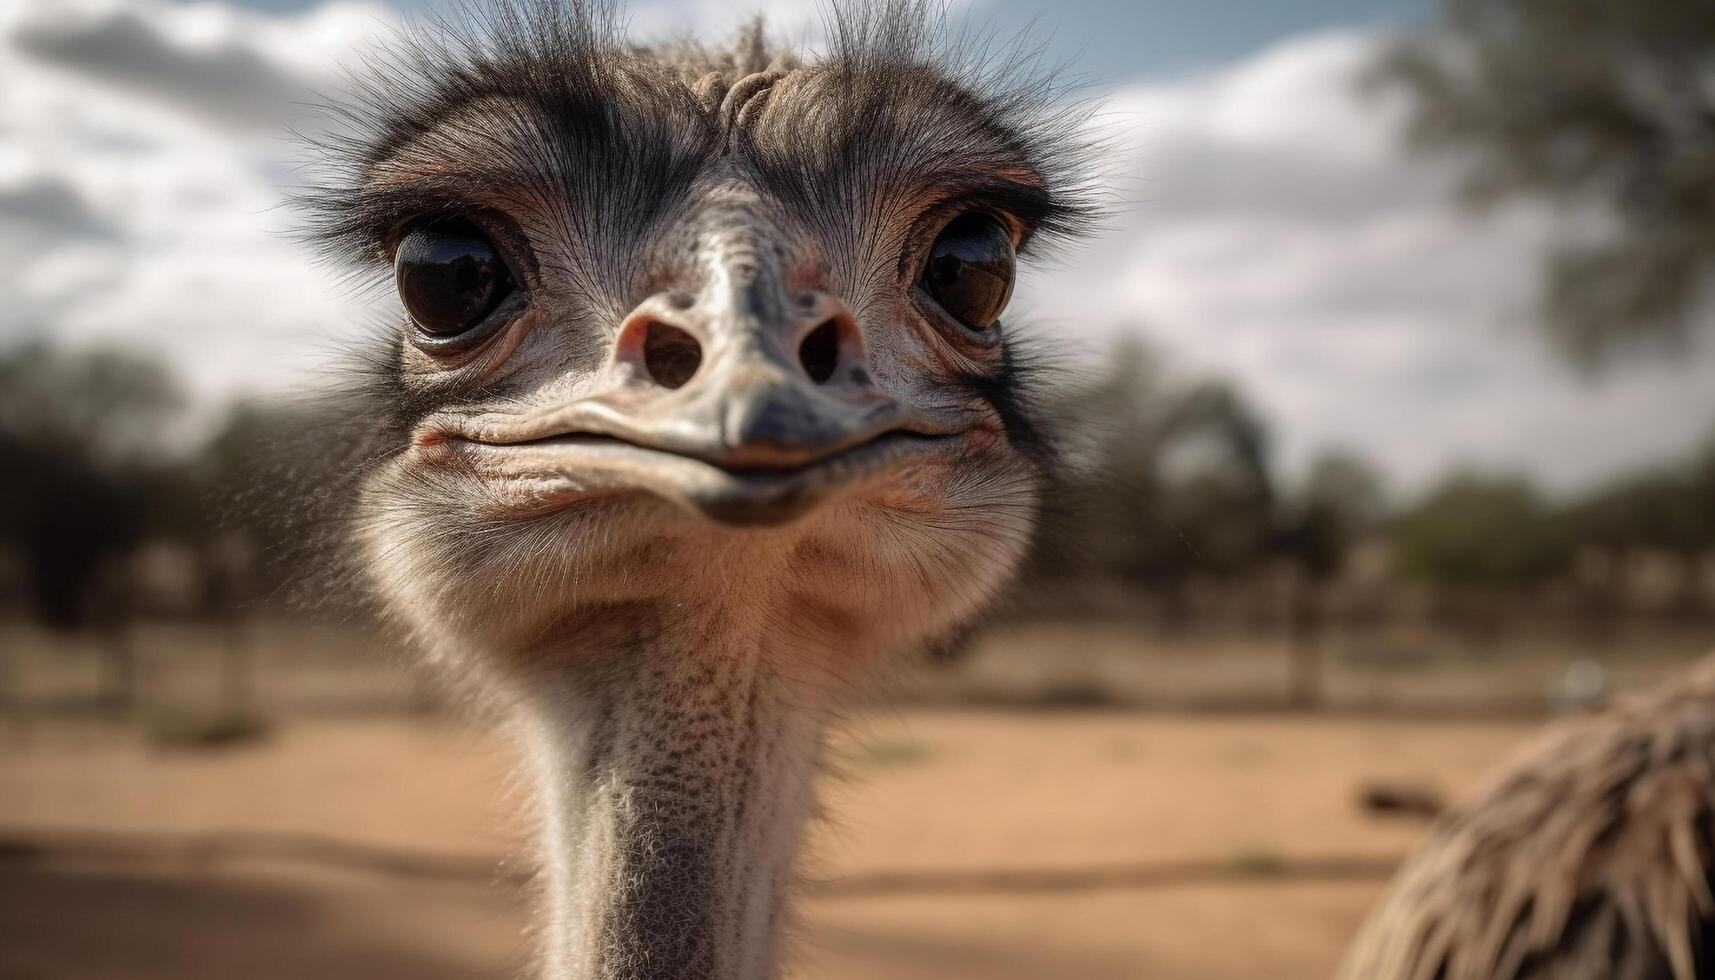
(1171,483)
(110,407)
(1480,532)
(1479,540)
(68,520)
(1342,499)
(1222,493)
(1607,102)
(256,540)
(1105,506)
(1175,486)
(254,459)
(1667,512)
(83,434)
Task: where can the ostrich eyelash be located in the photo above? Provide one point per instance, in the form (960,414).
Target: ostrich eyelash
(549,100)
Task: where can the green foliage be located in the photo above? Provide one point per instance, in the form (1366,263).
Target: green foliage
(1180,487)
(1174,480)
(1669,509)
(1481,533)
(1177,482)
(1341,500)
(1587,102)
(1492,533)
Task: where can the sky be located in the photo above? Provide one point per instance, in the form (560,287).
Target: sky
(1106,41)
(1265,226)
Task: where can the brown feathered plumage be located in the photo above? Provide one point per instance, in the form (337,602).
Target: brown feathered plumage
(1588,858)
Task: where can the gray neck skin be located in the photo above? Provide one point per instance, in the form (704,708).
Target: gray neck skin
(675,789)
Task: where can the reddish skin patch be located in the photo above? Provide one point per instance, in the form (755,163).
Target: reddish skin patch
(983,437)
(435,446)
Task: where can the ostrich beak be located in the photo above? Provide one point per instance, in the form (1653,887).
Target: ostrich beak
(744,413)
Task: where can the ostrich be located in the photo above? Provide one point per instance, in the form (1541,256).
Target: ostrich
(1590,857)
(701,409)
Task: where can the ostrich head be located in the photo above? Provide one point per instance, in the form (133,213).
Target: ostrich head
(703,401)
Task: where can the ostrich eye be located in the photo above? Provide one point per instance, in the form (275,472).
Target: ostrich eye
(450,277)
(970,269)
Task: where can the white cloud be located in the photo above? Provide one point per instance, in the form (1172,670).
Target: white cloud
(1274,233)
(800,23)
(713,20)
(243,68)
(142,144)
(1278,235)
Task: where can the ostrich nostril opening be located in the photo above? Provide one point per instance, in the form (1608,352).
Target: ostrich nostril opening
(820,352)
(670,355)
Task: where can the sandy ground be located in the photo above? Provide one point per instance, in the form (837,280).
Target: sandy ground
(1250,800)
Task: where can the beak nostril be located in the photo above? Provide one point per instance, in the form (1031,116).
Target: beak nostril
(670,355)
(820,352)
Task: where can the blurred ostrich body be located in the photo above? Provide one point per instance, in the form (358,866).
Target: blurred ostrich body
(1590,857)
(732,422)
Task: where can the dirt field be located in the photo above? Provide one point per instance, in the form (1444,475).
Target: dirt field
(977,844)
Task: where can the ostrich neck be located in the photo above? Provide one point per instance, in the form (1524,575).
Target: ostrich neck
(675,786)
